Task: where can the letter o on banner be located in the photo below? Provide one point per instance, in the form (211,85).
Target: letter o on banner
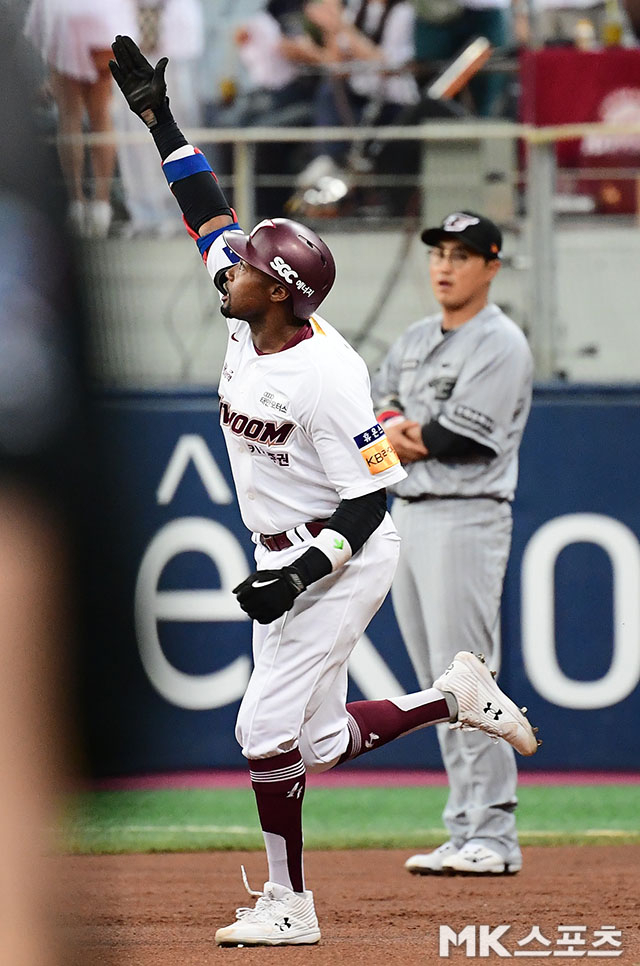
(538,610)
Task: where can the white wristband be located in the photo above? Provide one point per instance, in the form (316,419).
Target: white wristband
(334,546)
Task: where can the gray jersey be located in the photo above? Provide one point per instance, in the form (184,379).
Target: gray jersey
(476,380)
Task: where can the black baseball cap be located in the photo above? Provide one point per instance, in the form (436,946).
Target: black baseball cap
(476,231)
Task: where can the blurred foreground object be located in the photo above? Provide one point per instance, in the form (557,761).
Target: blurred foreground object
(39,387)
(31,633)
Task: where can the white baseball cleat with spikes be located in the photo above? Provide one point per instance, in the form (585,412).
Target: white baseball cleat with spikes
(483,706)
(430,863)
(479,860)
(280,917)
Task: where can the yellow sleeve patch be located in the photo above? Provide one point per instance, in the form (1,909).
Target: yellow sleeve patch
(380,456)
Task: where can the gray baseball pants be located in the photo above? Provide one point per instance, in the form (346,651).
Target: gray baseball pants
(446,594)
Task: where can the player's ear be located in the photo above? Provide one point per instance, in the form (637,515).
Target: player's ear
(278,292)
(493,265)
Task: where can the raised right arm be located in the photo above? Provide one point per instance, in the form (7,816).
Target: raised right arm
(194,185)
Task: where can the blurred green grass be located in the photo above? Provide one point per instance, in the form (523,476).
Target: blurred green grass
(338,818)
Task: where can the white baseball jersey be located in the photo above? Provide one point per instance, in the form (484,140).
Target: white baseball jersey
(476,380)
(299,424)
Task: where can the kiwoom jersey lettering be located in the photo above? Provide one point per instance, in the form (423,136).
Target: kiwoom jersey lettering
(308,409)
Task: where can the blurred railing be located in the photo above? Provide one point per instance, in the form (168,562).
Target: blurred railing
(506,170)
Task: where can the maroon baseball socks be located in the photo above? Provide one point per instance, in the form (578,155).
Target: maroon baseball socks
(375,723)
(279,784)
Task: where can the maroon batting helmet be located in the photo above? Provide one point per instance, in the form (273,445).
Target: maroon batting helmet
(292,254)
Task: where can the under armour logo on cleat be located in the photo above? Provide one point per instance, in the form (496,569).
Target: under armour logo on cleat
(371,739)
(489,710)
(285,924)
(296,791)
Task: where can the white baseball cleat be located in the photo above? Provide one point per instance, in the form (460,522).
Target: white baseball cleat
(483,706)
(479,860)
(280,918)
(431,862)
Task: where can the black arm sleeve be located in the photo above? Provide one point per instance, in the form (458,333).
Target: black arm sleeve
(200,196)
(443,444)
(356,520)
(166,133)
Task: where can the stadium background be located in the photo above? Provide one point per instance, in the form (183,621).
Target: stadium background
(149,699)
(161,689)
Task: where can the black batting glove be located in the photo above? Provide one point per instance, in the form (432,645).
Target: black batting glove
(267,594)
(143,86)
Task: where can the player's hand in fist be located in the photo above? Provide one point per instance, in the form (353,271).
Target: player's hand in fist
(143,86)
(267,594)
(406,438)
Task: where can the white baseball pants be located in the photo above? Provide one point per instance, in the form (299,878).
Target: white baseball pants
(297,692)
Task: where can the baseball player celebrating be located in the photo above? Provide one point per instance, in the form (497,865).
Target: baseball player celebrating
(453,395)
(311,466)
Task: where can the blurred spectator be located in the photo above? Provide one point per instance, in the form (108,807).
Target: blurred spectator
(283,60)
(74,37)
(278,56)
(223,78)
(374,40)
(557,21)
(585,23)
(171,28)
(445,27)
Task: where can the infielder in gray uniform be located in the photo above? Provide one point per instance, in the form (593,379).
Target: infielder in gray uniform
(453,395)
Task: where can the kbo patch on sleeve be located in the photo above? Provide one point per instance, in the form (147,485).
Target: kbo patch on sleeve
(377,451)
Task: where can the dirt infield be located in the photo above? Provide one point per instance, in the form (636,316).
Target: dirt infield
(163,909)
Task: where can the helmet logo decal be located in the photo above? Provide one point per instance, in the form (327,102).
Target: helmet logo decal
(459,221)
(281,267)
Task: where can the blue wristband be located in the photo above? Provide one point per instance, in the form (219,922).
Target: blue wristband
(207,241)
(185,167)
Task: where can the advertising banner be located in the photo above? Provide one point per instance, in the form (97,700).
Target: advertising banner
(168,658)
(563,85)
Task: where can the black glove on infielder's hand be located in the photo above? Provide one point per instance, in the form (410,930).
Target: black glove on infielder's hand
(267,594)
(143,85)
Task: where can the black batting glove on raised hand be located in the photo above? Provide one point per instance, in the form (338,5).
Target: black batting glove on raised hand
(143,86)
(267,594)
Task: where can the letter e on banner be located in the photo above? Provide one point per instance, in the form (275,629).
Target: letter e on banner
(195,692)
